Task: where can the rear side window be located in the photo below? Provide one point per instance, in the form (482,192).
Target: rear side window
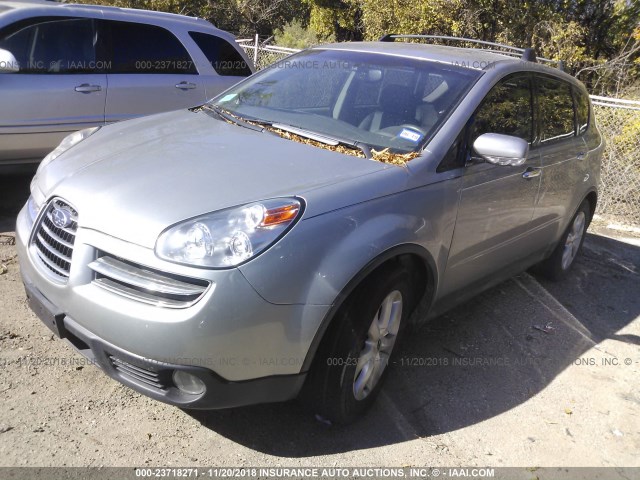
(147,49)
(224,58)
(556,109)
(582,111)
(53,46)
(507,109)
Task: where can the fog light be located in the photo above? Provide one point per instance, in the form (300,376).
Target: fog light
(188,383)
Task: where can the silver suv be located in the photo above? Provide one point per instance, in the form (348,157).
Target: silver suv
(66,67)
(276,240)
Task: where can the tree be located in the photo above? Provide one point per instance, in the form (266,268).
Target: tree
(337,19)
(295,35)
(264,16)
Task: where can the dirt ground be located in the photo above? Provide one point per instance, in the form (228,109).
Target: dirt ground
(529,373)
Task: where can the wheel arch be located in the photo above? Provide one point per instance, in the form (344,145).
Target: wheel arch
(418,261)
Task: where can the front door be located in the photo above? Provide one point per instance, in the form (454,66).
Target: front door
(496,202)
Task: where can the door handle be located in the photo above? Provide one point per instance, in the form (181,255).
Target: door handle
(530,173)
(86,88)
(186,86)
(581,156)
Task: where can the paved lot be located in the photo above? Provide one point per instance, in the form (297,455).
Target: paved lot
(529,373)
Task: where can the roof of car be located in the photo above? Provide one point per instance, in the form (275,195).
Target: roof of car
(134,13)
(9,4)
(13,4)
(475,58)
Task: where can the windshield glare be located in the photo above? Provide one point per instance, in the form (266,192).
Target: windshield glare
(379,100)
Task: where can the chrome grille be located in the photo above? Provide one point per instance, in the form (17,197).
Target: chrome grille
(138,374)
(146,285)
(54,244)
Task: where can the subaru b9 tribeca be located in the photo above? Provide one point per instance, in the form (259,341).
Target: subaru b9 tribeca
(276,241)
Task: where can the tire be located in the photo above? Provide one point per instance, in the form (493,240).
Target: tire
(563,257)
(337,386)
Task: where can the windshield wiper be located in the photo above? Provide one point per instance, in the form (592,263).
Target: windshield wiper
(264,125)
(225,115)
(327,140)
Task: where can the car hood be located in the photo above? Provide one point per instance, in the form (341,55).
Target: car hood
(134,179)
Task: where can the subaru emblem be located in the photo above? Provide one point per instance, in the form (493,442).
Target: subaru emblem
(61,218)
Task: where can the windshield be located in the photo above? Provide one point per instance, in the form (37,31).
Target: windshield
(378,100)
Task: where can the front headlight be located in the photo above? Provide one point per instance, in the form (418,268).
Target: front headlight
(229,237)
(68,142)
(33,208)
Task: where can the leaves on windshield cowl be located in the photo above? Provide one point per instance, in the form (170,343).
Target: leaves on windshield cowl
(384,156)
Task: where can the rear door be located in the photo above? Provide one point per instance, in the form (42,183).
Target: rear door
(58,89)
(562,170)
(497,202)
(150,71)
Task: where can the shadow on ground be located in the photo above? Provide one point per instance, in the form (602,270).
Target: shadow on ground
(471,364)
(14,191)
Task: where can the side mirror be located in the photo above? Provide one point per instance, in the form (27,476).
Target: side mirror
(8,63)
(502,149)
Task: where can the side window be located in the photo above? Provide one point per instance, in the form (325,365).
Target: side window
(582,111)
(555,103)
(224,58)
(147,49)
(507,109)
(53,46)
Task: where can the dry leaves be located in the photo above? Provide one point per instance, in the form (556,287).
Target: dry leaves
(384,156)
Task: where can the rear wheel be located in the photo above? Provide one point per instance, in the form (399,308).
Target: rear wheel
(351,363)
(563,257)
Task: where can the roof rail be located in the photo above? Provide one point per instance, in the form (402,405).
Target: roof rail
(525,54)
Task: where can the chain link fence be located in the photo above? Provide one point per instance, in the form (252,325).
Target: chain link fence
(619,122)
(264,55)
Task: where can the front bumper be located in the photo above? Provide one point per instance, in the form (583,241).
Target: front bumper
(243,348)
(154,379)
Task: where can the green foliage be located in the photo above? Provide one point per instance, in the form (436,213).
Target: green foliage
(437,17)
(337,19)
(559,40)
(295,35)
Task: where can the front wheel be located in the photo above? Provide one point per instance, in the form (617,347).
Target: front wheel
(353,358)
(563,257)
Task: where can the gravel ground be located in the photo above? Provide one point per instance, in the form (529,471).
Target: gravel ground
(529,373)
